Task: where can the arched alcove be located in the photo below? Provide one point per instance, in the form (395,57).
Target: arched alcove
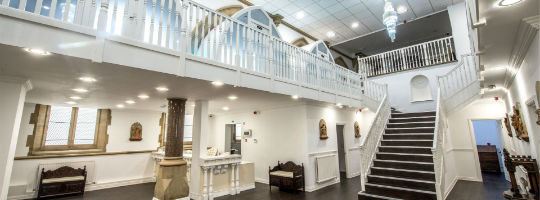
(420,89)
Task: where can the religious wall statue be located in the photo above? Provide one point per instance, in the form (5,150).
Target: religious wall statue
(356,129)
(322,130)
(136,132)
(507,125)
(519,124)
(538,101)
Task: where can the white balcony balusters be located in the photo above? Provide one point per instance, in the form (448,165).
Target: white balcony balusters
(434,52)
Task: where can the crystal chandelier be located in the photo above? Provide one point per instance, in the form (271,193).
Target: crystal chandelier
(390,19)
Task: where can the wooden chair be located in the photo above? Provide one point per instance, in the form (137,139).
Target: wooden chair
(288,176)
(62,181)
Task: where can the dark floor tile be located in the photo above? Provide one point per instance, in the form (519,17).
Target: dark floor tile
(491,189)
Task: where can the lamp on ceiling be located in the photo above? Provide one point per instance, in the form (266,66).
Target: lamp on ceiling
(390,19)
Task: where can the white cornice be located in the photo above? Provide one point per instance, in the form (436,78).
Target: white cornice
(527,31)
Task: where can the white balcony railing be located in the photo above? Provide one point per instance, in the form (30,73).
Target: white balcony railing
(193,31)
(430,53)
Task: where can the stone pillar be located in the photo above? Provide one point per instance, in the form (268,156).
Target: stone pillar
(200,132)
(171,178)
(12,96)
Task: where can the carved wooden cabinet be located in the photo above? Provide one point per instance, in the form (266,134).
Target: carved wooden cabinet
(62,181)
(489,159)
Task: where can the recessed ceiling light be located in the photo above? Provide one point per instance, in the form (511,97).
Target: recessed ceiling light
(295,96)
(401,9)
(331,34)
(130,102)
(339,105)
(508,2)
(193,105)
(75,97)
(71,102)
(120,105)
(87,79)
(300,15)
(162,89)
(232,97)
(217,83)
(225,108)
(354,25)
(143,96)
(40,52)
(80,90)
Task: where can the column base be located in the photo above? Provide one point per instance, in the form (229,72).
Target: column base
(171,180)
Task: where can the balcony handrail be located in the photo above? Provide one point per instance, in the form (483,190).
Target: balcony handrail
(434,52)
(169,25)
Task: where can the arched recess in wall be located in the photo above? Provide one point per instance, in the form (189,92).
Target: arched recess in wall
(341,62)
(420,89)
(254,16)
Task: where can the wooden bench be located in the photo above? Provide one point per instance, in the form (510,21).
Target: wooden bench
(288,176)
(62,181)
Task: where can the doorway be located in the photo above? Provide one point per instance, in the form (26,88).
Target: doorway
(489,144)
(341,150)
(233,138)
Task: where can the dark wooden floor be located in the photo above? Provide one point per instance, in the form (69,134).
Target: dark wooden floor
(491,189)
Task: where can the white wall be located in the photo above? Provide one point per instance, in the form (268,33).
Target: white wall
(291,134)
(522,90)
(279,134)
(110,170)
(399,87)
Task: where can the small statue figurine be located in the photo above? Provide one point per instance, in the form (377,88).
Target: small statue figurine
(518,124)
(322,130)
(136,132)
(356,129)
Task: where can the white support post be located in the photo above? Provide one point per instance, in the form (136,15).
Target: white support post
(232,190)
(205,184)
(13,92)
(211,183)
(200,134)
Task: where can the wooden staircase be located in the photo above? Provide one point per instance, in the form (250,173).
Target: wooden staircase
(403,165)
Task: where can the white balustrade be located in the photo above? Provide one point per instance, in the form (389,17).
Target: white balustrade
(438,146)
(370,142)
(461,84)
(197,31)
(434,52)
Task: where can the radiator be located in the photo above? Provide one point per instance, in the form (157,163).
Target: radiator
(90,165)
(325,168)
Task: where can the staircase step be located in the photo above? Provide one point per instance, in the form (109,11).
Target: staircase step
(422,166)
(402,182)
(412,119)
(365,196)
(405,157)
(406,149)
(418,114)
(410,130)
(399,192)
(411,124)
(417,143)
(403,173)
(408,136)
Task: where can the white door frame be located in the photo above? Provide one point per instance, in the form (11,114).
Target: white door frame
(475,148)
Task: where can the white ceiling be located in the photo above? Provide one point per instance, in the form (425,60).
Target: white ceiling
(497,38)
(322,16)
(55,76)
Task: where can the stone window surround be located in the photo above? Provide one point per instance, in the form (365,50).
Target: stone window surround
(40,118)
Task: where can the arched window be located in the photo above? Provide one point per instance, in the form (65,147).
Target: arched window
(420,89)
